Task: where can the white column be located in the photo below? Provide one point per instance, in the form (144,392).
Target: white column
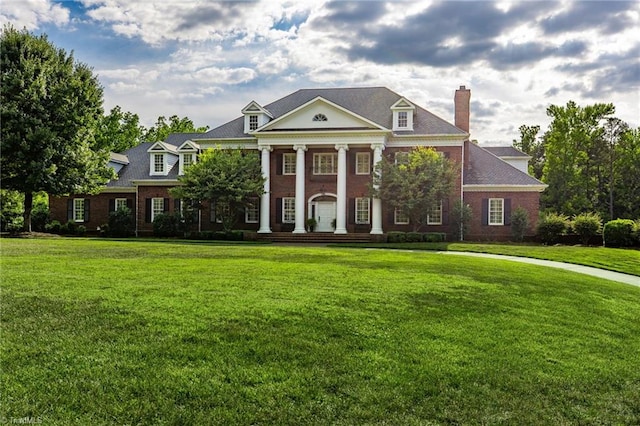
(341,191)
(265,206)
(376,203)
(300,189)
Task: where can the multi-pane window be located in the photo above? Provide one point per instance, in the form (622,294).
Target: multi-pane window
(121,203)
(78,209)
(319,117)
(496,211)
(157,207)
(401,157)
(403,120)
(325,164)
(253,122)
(187,160)
(289,164)
(362,210)
(158,163)
(251,212)
(222,211)
(434,217)
(363,163)
(400,217)
(288,210)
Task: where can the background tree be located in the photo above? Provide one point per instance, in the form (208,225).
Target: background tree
(626,185)
(49,106)
(415,186)
(162,128)
(119,131)
(229,177)
(529,143)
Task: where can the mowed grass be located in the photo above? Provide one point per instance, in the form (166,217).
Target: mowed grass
(626,261)
(134,332)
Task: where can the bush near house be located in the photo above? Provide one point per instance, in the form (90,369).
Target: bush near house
(120,223)
(586,226)
(619,233)
(551,226)
(519,223)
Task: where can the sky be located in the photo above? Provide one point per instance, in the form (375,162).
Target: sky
(206,60)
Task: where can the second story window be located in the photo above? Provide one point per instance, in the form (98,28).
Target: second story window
(158,163)
(325,164)
(363,163)
(288,164)
(253,122)
(403,120)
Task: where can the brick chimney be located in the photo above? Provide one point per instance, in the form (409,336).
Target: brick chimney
(461,102)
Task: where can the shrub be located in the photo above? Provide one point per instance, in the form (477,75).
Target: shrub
(618,233)
(165,225)
(636,232)
(413,237)
(16,225)
(120,223)
(434,237)
(551,226)
(39,216)
(54,227)
(69,228)
(461,215)
(587,225)
(396,237)
(81,230)
(519,223)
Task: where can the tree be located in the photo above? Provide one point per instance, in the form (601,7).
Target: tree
(119,131)
(49,106)
(230,177)
(531,145)
(415,186)
(574,146)
(626,185)
(162,129)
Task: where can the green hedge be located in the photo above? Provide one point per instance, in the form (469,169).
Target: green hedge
(416,237)
(619,233)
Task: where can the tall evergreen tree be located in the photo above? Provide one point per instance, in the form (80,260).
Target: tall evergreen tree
(49,106)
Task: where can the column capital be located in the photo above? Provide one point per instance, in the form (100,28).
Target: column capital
(375,146)
(298,147)
(265,148)
(340,146)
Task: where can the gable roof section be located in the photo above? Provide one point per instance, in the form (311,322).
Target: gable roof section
(506,151)
(372,103)
(484,168)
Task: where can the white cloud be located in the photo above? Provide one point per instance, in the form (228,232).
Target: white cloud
(31,14)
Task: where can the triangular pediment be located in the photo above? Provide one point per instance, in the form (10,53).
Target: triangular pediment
(402,103)
(162,147)
(188,146)
(255,108)
(320,114)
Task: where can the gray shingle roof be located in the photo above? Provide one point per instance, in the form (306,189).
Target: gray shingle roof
(484,168)
(505,151)
(372,103)
(138,167)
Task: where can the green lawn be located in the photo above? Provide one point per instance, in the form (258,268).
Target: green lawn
(134,332)
(620,260)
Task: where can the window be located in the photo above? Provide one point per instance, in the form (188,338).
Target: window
(403,120)
(362,210)
(253,122)
(363,163)
(400,217)
(402,157)
(157,207)
(78,210)
(251,214)
(289,164)
(325,164)
(187,160)
(320,117)
(121,203)
(222,211)
(434,217)
(158,163)
(288,210)
(496,211)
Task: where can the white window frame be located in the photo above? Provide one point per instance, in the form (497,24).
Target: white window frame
(403,119)
(496,211)
(253,122)
(289,210)
(119,203)
(399,217)
(289,163)
(363,163)
(320,163)
(158,163)
(437,212)
(78,210)
(363,211)
(183,161)
(157,207)
(251,213)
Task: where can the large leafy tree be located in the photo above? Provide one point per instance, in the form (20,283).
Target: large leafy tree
(119,131)
(529,143)
(49,107)
(626,185)
(416,183)
(229,177)
(164,128)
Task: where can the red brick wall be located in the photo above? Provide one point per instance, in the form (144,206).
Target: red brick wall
(528,200)
(98,208)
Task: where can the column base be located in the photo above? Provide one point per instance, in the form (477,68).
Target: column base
(340,231)
(376,232)
(299,231)
(264,231)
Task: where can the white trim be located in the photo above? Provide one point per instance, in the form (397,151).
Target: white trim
(367,162)
(504,188)
(284,163)
(115,189)
(74,217)
(256,207)
(155,182)
(291,200)
(489,222)
(395,218)
(429,221)
(368,211)
(334,163)
(120,199)
(153,210)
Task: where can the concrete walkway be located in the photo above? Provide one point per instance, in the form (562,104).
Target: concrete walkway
(588,270)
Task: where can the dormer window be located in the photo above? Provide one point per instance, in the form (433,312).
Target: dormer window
(188,155)
(403,115)
(320,117)
(162,157)
(158,164)
(255,117)
(403,121)
(253,122)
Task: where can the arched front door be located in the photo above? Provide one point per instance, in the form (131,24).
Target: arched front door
(323,209)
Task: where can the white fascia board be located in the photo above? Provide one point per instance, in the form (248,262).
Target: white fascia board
(436,140)
(117,189)
(155,182)
(504,188)
(321,99)
(322,140)
(260,108)
(240,143)
(188,146)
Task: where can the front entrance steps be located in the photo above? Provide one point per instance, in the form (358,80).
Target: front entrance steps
(316,237)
